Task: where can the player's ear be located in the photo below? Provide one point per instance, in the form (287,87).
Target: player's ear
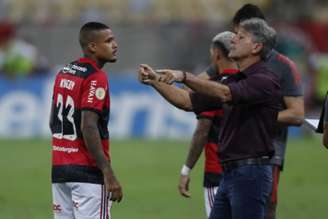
(217,54)
(257,48)
(92,47)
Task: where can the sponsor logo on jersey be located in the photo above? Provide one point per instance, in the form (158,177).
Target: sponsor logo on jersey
(68,69)
(79,68)
(73,68)
(65,149)
(100,93)
(92,91)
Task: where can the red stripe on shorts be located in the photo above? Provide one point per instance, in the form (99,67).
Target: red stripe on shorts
(275,182)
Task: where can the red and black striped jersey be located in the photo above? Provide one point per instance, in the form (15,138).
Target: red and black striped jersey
(212,167)
(78,86)
(212,163)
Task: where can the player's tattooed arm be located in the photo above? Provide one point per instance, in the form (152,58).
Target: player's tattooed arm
(92,140)
(51,119)
(198,142)
(178,97)
(294,112)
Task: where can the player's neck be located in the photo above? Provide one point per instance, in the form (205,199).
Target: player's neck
(248,61)
(100,64)
(227,65)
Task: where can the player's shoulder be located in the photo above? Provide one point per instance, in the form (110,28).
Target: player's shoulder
(282,66)
(284,60)
(82,68)
(278,60)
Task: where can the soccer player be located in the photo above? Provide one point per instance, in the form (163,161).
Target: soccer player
(250,115)
(83,181)
(206,134)
(292,112)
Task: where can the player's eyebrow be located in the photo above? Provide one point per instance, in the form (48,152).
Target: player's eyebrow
(109,39)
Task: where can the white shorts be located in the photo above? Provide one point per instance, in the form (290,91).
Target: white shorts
(80,201)
(209,195)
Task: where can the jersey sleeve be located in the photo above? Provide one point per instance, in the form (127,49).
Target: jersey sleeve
(94,92)
(291,78)
(210,114)
(54,88)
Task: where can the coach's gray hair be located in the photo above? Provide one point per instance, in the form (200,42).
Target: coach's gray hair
(262,33)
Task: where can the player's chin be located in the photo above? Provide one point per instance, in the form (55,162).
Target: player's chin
(111,59)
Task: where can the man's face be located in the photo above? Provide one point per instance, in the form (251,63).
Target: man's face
(106,46)
(242,45)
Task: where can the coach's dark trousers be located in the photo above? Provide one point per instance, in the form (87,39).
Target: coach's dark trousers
(243,193)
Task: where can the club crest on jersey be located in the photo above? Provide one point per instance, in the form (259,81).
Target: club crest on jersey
(100,93)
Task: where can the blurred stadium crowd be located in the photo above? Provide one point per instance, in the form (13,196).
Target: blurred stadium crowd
(175,34)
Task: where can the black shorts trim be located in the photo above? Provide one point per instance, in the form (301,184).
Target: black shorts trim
(92,110)
(76,173)
(212,179)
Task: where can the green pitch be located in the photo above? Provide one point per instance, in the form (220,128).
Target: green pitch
(148,171)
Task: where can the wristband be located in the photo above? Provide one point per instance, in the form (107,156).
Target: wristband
(185,170)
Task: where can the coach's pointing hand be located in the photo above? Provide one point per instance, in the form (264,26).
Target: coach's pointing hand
(146,74)
(169,76)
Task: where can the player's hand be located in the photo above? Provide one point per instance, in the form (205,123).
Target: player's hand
(113,187)
(169,76)
(184,186)
(147,75)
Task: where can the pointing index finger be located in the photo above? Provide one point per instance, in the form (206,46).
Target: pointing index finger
(145,66)
(162,71)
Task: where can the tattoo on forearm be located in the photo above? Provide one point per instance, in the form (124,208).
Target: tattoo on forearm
(92,140)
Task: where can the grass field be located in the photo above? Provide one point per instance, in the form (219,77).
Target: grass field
(148,171)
